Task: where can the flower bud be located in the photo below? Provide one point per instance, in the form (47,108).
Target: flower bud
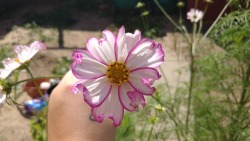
(180,4)
(154,120)
(209,1)
(159,108)
(140,5)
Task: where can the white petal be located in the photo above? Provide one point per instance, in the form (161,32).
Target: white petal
(137,99)
(102,50)
(123,96)
(145,54)
(9,66)
(125,42)
(4,73)
(94,91)
(87,67)
(142,79)
(2,98)
(97,90)
(25,53)
(110,108)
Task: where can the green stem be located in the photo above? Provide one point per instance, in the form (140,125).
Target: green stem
(152,127)
(16,76)
(215,22)
(166,81)
(166,14)
(25,80)
(243,99)
(37,87)
(190,90)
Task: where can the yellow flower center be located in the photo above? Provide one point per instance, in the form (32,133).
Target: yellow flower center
(117,73)
(17,60)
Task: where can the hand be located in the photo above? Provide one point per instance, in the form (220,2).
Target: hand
(68,116)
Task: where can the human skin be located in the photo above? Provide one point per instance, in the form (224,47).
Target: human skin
(68,116)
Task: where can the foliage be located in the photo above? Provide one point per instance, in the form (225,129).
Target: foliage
(220,103)
(4,53)
(233,34)
(38,126)
(241,4)
(62,67)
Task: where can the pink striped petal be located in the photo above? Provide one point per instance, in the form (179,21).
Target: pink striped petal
(95,91)
(103,49)
(139,80)
(145,54)
(125,42)
(86,67)
(123,96)
(9,66)
(25,53)
(79,87)
(137,99)
(110,108)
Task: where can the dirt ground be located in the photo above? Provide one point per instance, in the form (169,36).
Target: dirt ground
(13,126)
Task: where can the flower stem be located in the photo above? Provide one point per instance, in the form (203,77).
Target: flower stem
(190,90)
(152,127)
(25,80)
(33,79)
(216,21)
(166,14)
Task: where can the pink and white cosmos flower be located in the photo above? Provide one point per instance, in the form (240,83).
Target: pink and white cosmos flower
(23,55)
(116,72)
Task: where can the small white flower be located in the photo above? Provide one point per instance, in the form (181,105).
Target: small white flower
(195,15)
(23,54)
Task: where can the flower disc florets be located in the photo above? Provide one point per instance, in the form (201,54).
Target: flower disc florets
(117,73)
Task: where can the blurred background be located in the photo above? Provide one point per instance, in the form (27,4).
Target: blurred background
(64,25)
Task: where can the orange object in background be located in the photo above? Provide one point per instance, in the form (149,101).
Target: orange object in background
(31,89)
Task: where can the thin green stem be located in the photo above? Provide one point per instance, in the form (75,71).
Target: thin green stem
(16,76)
(25,80)
(245,82)
(166,82)
(190,90)
(37,87)
(152,127)
(216,21)
(166,14)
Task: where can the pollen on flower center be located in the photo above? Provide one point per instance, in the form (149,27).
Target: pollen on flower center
(117,73)
(17,60)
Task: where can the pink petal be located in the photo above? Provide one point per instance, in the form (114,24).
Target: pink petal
(79,87)
(35,47)
(145,54)
(125,42)
(95,91)
(110,108)
(139,80)
(86,67)
(123,96)
(9,66)
(102,50)
(109,36)
(137,99)
(4,73)
(25,53)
